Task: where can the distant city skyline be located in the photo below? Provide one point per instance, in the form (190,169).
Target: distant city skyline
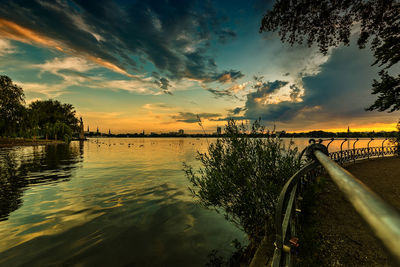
(213,131)
(157,65)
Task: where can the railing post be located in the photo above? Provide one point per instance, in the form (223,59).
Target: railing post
(398,146)
(354,150)
(368,145)
(341,150)
(327,146)
(382,147)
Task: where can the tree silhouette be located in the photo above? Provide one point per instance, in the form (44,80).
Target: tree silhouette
(11,106)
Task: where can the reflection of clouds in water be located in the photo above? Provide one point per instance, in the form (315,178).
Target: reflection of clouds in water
(123,199)
(152,227)
(30,166)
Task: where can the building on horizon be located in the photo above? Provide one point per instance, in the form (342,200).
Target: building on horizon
(81,130)
(219,130)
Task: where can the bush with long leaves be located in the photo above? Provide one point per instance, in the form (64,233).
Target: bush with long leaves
(242,176)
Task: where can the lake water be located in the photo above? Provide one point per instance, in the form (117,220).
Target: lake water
(109,202)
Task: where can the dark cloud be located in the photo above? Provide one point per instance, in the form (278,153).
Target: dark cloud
(238,118)
(190,117)
(340,92)
(228,76)
(219,93)
(173,35)
(294,92)
(224,78)
(162,82)
(225,35)
(236,111)
(265,88)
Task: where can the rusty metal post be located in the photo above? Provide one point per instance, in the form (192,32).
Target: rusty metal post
(327,146)
(341,150)
(354,150)
(382,147)
(368,145)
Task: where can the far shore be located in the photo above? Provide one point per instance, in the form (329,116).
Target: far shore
(11,142)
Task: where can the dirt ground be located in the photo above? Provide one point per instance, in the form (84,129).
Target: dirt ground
(334,234)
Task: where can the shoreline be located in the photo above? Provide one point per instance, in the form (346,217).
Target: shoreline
(12,142)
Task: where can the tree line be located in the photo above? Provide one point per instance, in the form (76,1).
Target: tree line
(48,119)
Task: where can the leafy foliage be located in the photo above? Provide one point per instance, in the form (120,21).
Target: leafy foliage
(11,106)
(242,177)
(49,117)
(10,185)
(330,23)
(395,140)
(52,111)
(388,91)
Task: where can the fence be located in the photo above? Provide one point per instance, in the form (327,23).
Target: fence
(383,219)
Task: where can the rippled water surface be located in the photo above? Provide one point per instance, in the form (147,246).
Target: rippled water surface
(108,202)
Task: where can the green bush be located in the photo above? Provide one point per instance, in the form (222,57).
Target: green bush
(242,177)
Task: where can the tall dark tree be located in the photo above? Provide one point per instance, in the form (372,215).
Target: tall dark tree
(50,112)
(329,23)
(12,109)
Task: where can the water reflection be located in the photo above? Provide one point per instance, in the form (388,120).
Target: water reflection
(20,169)
(108,202)
(125,203)
(11,186)
(150,227)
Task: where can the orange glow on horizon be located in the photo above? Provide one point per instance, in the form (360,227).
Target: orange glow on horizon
(377,127)
(117,123)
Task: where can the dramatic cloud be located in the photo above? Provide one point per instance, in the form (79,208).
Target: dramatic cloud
(172,36)
(220,93)
(232,91)
(229,76)
(141,86)
(6,47)
(236,88)
(48,90)
(71,69)
(236,111)
(263,91)
(190,117)
(338,93)
(162,82)
(294,92)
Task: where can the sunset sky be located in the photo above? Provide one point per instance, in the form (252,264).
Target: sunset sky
(130,66)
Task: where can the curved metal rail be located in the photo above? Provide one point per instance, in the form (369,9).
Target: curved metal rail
(384,220)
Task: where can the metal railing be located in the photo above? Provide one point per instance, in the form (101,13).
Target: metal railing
(383,219)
